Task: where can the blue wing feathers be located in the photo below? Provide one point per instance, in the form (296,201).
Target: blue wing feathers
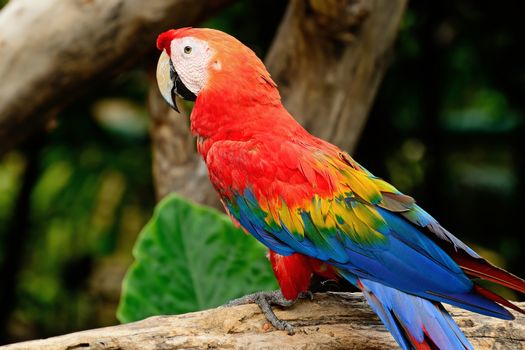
(409,260)
(406,232)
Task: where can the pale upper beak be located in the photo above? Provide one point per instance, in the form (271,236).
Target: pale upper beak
(165,80)
(169,82)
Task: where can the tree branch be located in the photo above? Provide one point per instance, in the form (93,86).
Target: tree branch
(330,321)
(328,59)
(53,50)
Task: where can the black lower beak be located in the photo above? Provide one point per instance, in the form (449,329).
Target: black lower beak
(179,89)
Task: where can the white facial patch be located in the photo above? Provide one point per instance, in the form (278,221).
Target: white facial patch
(191,58)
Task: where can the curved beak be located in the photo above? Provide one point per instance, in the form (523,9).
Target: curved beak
(169,82)
(165,81)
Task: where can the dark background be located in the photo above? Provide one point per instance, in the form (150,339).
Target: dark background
(447,128)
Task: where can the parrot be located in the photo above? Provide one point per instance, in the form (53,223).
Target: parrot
(318,211)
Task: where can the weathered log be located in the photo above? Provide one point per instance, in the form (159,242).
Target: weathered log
(330,321)
(53,50)
(328,59)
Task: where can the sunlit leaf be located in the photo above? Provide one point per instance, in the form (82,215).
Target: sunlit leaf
(191,258)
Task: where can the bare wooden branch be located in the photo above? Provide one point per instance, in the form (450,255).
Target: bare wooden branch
(328,59)
(330,321)
(53,50)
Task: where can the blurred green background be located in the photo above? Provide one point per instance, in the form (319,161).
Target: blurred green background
(447,128)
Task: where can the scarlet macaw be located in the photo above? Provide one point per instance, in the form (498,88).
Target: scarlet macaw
(313,206)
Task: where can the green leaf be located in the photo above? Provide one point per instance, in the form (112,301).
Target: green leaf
(189,258)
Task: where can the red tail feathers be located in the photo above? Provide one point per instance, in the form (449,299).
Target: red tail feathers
(497,298)
(483,269)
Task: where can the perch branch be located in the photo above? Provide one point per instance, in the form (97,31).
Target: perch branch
(330,321)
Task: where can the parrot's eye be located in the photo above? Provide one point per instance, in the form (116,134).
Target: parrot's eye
(187,50)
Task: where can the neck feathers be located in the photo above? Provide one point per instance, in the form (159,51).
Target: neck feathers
(233,100)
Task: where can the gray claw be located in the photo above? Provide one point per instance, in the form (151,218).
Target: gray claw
(265,300)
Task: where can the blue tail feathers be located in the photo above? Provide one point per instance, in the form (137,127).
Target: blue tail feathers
(413,321)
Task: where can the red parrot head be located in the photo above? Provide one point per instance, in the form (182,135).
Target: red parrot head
(196,60)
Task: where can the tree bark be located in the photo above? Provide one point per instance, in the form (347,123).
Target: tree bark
(53,50)
(328,59)
(330,321)
(176,165)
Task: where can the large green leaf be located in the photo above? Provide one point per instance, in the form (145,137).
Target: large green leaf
(190,258)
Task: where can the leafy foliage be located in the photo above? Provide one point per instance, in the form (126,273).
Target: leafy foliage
(189,258)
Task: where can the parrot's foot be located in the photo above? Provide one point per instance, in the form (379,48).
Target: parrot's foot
(265,300)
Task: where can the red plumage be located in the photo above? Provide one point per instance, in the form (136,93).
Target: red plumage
(294,272)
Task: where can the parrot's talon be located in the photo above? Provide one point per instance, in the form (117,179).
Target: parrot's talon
(265,300)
